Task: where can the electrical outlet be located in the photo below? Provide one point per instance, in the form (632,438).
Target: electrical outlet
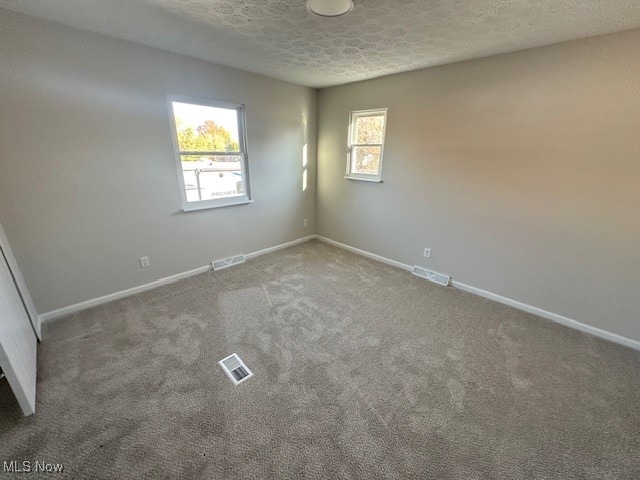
(427,252)
(144,262)
(305,223)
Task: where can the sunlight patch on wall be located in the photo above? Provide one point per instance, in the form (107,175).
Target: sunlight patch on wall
(304,166)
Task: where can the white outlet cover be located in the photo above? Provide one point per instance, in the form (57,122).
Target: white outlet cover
(144,262)
(427,252)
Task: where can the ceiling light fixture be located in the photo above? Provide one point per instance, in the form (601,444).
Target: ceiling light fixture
(330,8)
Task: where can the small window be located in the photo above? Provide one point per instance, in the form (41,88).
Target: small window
(366,143)
(211,153)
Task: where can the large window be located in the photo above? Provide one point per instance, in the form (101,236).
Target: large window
(211,153)
(366,143)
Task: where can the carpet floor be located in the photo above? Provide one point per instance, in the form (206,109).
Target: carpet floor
(361,371)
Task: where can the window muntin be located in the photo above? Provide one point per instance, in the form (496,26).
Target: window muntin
(211,157)
(366,144)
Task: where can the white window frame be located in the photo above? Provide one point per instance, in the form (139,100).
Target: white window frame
(353,116)
(242,141)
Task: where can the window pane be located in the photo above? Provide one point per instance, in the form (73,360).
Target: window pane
(365,160)
(369,129)
(212,176)
(201,128)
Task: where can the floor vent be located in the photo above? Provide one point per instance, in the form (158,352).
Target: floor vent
(235,369)
(227,262)
(435,277)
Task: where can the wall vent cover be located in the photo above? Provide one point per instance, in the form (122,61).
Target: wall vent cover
(235,369)
(227,262)
(435,277)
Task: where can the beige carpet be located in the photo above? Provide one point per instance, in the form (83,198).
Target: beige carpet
(361,371)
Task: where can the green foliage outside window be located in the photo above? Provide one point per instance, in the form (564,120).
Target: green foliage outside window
(208,137)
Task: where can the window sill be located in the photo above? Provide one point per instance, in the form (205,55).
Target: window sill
(360,179)
(191,207)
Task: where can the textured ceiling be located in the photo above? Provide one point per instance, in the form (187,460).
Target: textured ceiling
(281,39)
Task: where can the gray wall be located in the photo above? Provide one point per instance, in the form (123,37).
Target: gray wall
(88,181)
(521,171)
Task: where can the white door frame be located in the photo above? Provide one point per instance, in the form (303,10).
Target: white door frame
(22,286)
(18,343)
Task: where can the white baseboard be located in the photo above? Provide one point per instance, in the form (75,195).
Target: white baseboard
(598,332)
(264,251)
(364,253)
(77,307)
(61,312)
(569,322)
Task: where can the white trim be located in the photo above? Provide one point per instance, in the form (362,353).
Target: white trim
(364,253)
(280,246)
(569,322)
(598,332)
(353,115)
(77,307)
(363,179)
(242,140)
(21,285)
(566,321)
(203,205)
